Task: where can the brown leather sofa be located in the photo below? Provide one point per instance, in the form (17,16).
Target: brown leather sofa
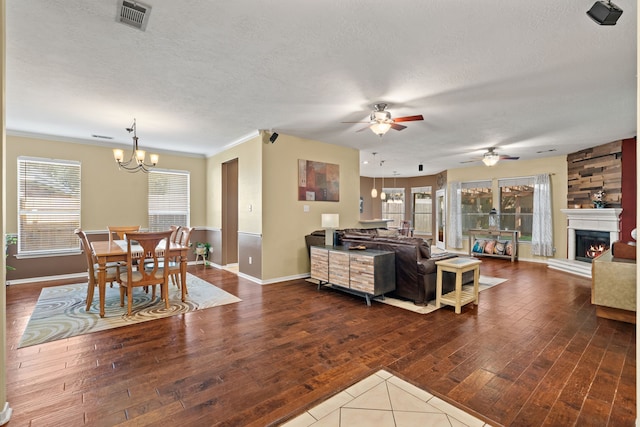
(415,266)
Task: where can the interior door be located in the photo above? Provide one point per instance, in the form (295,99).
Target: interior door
(230,212)
(441,215)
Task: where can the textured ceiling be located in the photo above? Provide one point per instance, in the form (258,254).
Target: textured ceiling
(524,76)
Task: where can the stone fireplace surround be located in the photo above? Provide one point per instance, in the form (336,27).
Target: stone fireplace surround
(605,219)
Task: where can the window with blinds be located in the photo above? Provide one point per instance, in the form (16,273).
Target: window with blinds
(48,206)
(168,199)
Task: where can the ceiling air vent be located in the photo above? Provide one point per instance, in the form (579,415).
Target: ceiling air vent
(134,14)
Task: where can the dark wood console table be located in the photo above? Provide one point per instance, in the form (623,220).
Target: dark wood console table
(369,273)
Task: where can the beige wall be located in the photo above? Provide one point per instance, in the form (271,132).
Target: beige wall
(249,155)
(285,221)
(267,181)
(556,166)
(109,196)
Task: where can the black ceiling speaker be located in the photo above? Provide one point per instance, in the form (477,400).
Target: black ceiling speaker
(420,167)
(604,13)
(273,137)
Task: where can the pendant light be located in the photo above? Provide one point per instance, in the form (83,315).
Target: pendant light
(374,191)
(383,195)
(137,158)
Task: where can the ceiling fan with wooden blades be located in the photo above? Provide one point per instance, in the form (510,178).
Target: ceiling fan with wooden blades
(380,120)
(491,157)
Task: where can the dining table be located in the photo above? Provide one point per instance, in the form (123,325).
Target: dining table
(116,250)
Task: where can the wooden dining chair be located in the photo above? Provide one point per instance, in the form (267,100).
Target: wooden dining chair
(92,267)
(184,236)
(181,237)
(175,232)
(405,228)
(154,249)
(120,231)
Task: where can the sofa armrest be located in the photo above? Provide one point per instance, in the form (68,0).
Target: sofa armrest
(428,265)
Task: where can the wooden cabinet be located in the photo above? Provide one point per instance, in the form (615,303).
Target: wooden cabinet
(369,273)
(497,235)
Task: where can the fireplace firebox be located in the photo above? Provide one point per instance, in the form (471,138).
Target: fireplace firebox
(590,244)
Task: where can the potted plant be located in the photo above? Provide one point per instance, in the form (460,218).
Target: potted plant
(9,240)
(202,249)
(598,199)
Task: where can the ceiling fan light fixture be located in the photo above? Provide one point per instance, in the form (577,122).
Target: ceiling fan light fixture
(490,158)
(380,128)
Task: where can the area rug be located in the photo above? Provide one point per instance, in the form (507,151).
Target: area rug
(60,310)
(485,282)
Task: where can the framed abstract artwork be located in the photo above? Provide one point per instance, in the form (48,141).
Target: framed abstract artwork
(318,181)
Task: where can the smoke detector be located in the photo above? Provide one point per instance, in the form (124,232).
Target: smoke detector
(133,14)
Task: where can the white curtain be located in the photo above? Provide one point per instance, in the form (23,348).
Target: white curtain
(454,230)
(542,230)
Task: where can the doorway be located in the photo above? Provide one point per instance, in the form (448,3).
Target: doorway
(229,212)
(441,214)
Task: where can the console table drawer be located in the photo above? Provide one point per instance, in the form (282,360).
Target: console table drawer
(362,273)
(319,263)
(339,268)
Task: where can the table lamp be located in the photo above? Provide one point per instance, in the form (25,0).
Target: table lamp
(329,223)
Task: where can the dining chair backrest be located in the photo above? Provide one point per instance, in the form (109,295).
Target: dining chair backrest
(121,230)
(405,226)
(175,233)
(86,248)
(154,250)
(184,235)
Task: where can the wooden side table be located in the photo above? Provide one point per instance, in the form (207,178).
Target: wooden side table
(459,296)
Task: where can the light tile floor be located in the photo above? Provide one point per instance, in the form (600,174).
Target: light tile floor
(384,400)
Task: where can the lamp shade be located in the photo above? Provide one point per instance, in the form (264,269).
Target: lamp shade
(330,220)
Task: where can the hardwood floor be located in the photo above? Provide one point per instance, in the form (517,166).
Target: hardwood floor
(533,353)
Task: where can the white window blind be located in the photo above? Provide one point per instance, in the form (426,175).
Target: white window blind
(48,206)
(168,199)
